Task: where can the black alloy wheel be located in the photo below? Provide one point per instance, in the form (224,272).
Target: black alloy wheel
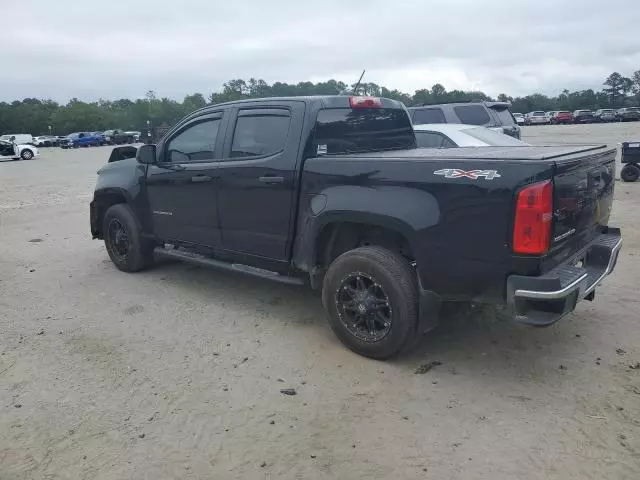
(118,239)
(364,307)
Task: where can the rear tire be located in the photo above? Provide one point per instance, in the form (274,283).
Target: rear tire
(127,249)
(630,173)
(386,329)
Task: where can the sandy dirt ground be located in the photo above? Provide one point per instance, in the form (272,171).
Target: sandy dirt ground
(176,372)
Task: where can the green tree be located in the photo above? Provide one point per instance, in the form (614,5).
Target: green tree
(616,88)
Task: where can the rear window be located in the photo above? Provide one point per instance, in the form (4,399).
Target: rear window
(472,114)
(428,115)
(504,115)
(346,130)
(539,114)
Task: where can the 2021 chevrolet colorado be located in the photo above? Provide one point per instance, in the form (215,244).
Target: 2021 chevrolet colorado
(333,192)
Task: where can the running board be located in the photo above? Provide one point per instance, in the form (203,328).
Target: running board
(234,267)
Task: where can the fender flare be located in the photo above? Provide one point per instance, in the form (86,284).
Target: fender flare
(403,210)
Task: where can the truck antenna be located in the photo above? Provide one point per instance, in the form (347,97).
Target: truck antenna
(355,89)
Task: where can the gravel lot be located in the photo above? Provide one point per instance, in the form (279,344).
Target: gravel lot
(175,373)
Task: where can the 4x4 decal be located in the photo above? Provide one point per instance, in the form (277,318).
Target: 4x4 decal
(472,174)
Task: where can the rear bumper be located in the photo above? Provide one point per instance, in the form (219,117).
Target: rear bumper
(544,300)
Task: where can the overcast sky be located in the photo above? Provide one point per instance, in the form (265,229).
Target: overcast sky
(122,48)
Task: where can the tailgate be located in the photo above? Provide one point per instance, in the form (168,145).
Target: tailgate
(583,196)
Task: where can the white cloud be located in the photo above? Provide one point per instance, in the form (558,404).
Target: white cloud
(122,49)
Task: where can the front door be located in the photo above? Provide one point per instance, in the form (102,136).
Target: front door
(7,150)
(257,179)
(182,185)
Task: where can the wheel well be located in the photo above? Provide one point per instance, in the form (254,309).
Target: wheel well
(103,202)
(340,237)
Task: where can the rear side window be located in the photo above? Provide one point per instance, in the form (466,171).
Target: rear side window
(260,134)
(472,114)
(428,115)
(346,130)
(433,140)
(504,116)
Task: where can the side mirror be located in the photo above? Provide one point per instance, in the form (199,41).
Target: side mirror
(146,154)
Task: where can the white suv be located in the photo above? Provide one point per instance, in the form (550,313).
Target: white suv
(536,118)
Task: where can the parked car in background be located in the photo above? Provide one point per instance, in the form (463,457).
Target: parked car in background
(118,137)
(628,114)
(536,118)
(494,115)
(583,116)
(451,135)
(135,134)
(19,138)
(17,151)
(81,139)
(519,118)
(45,141)
(604,115)
(100,135)
(561,117)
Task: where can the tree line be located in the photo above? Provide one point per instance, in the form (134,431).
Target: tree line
(35,116)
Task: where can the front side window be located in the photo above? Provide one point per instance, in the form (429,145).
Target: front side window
(260,134)
(472,114)
(194,144)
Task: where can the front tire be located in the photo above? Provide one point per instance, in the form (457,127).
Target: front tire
(127,249)
(26,154)
(630,173)
(371,296)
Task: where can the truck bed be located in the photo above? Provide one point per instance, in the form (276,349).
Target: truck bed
(532,153)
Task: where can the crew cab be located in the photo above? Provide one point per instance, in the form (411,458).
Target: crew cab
(332,192)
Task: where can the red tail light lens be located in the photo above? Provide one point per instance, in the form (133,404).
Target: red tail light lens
(365,102)
(533,219)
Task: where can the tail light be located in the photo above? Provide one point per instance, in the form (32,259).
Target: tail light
(533,219)
(365,102)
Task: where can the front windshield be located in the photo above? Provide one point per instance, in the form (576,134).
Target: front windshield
(493,138)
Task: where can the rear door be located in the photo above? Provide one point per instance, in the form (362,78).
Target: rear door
(181,187)
(257,176)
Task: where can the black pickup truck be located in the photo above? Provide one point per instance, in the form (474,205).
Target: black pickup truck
(332,192)
(117,137)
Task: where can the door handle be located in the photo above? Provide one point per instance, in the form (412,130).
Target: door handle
(201,179)
(271,180)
